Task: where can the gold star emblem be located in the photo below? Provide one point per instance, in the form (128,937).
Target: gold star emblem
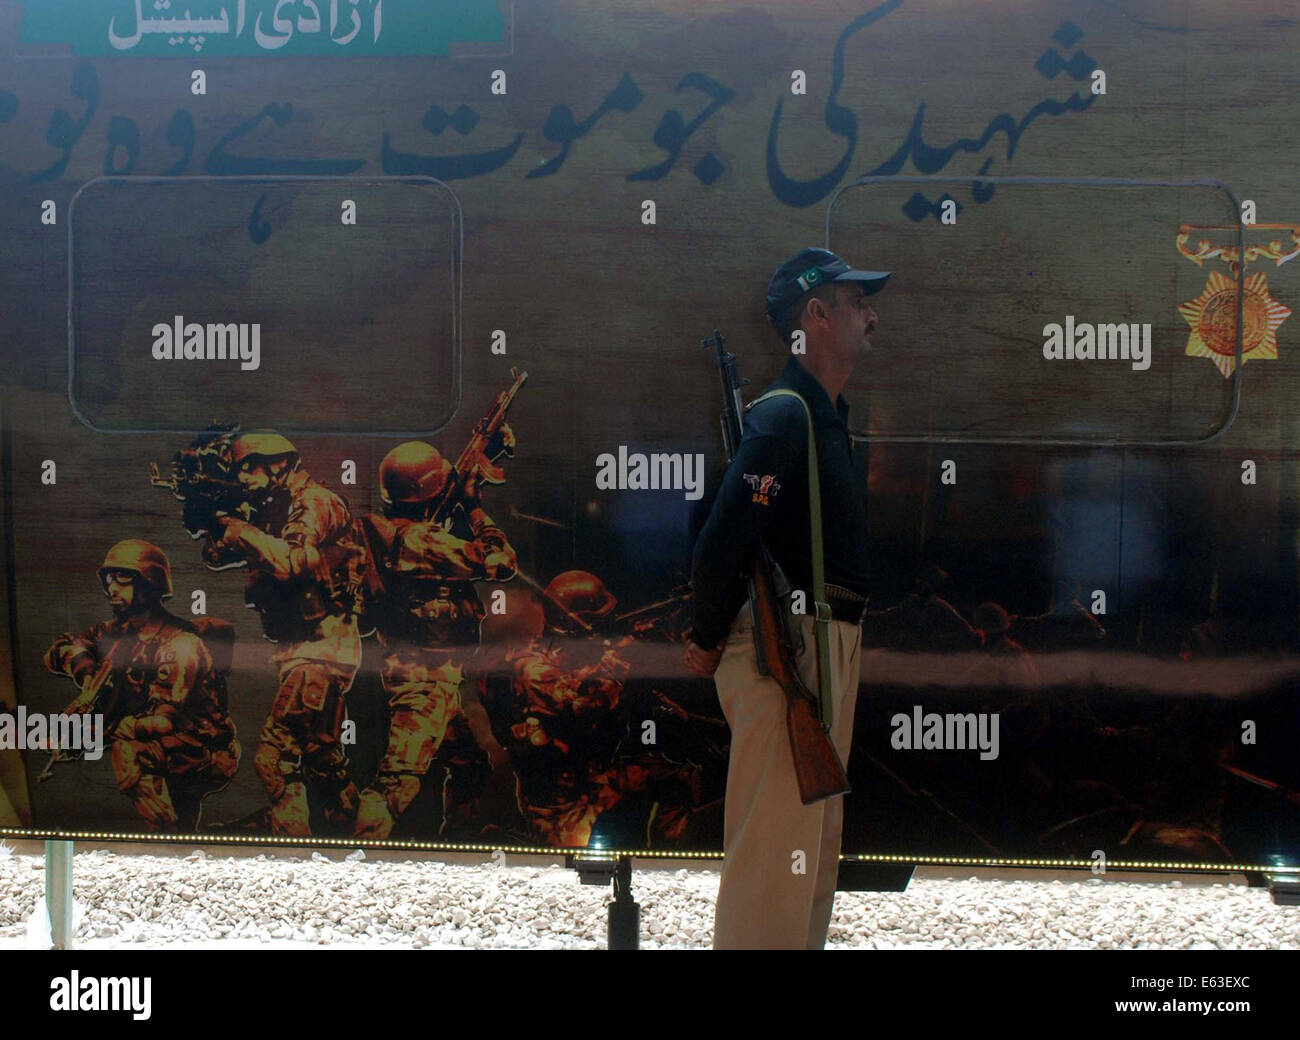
(1213,318)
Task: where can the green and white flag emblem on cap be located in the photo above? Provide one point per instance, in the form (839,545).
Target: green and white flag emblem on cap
(809,278)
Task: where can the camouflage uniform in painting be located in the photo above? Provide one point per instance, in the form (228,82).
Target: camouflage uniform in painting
(305,575)
(427,614)
(160,682)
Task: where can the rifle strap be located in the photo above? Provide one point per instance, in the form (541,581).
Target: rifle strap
(822,608)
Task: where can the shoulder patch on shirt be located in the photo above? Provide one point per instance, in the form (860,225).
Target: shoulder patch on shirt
(764,486)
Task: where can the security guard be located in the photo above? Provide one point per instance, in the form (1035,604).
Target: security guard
(764,901)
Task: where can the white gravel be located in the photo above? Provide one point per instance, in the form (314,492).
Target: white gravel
(311,900)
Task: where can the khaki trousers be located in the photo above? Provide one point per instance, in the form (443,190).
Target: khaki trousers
(763,903)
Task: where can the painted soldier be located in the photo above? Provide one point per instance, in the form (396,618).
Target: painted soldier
(427,614)
(469,768)
(924,620)
(567,719)
(160,682)
(1004,661)
(305,576)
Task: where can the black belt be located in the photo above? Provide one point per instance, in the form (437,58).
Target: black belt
(846,605)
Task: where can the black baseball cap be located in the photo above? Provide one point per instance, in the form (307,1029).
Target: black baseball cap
(810,268)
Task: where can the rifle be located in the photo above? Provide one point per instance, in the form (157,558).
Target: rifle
(474,458)
(98,687)
(678,596)
(1286,794)
(817,765)
(377,536)
(202,477)
(660,618)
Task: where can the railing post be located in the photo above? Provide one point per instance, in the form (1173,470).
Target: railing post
(58,892)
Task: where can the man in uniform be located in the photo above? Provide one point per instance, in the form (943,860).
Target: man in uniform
(154,676)
(305,576)
(427,616)
(762,902)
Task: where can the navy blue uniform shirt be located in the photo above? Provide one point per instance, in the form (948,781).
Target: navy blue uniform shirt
(764,495)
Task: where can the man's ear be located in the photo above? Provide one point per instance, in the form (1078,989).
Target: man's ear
(827,306)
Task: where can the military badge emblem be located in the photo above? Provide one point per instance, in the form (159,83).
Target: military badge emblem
(1213,318)
(1213,314)
(763,487)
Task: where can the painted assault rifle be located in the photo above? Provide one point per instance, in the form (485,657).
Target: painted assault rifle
(486,445)
(96,696)
(817,765)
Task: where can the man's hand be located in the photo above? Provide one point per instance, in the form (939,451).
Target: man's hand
(231,528)
(499,566)
(500,443)
(224,546)
(702,662)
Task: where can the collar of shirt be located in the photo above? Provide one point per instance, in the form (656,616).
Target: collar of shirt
(144,625)
(805,384)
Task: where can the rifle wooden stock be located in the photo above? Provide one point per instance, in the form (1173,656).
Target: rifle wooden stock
(817,764)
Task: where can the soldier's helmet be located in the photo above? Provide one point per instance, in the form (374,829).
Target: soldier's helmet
(580,593)
(991,619)
(412,472)
(264,444)
(142,558)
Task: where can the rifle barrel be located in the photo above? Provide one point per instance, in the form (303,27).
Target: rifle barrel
(649,607)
